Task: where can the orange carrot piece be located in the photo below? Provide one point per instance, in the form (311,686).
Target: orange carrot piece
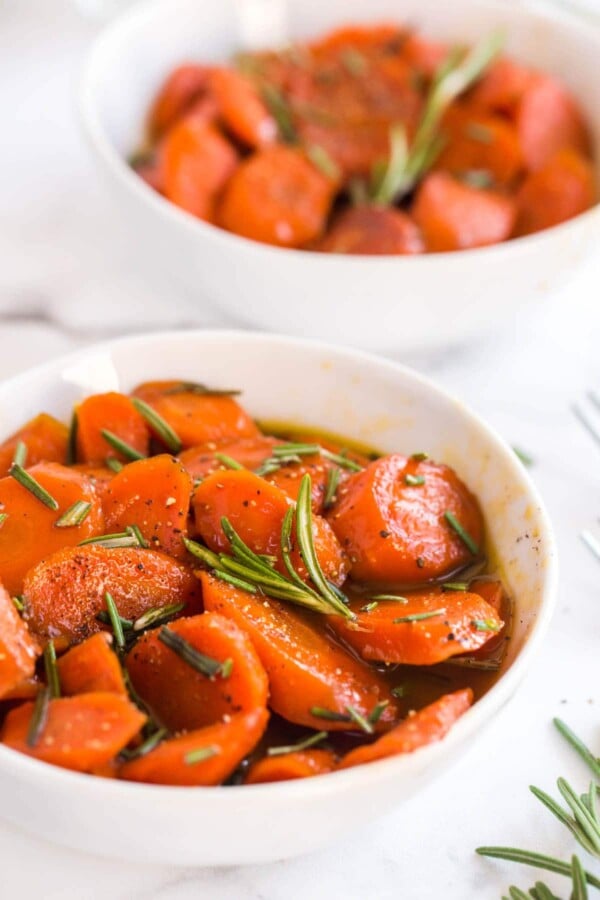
(153,494)
(256,509)
(425,56)
(111,412)
(241,109)
(464,624)
(549,120)
(29,532)
(371,230)
(91,666)
(250,453)
(99,476)
(225,745)
(502,87)
(278,197)
(491,591)
(45,438)
(27,689)
(18,649)
(65,592)
(396,532)
(302,764)
(183,86)
(383,38)
(305,666)
(480,143)
(424,727)
(183,698)
(563,188)
(455,216)
(80,732)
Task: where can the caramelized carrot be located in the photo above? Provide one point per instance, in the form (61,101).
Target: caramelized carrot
(305,666)
(206,756)
(288,477)
(548,121)
(278,197)
(250,453)
(256,510)
(99,476)
(45,439)
(182,87)
(197,161)
(153,494)
(27,689)
(455,216)
(502,87)
(426,57)
(485,144)
(424,727)
(383,38)
(302,764)
(241,109)
(18,650)
(396,532)
(371,230)
(429,627)
(111,412)
(30,532)
(491,591)
(562,188)
(91,666)
(66,591)
(80,732)
(183,698)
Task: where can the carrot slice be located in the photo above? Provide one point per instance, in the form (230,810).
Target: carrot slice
(27,689)
(256,509)
(445,624)
(302,764)
(218,750)
(424,727)
(248,452)
(18,650)
(65,592)
(491,591)
(372,230)
(549,120)
(306,667)
(396,532)
(183,698)
(196,162)
(241,108)
(383,38)
(455,216)
(502,87)
(29,531)
(277,197)
(80,733)
(182,87)
(45,439)
(153,494)
(91,666)
(564,187)
(425,56)
(99,476)
(111,412)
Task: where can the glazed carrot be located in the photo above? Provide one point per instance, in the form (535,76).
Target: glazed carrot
(491,591)
(502,87)
(429,627)
(305,666)
(182,87)
(183,698)
(206,756)
(200,417)
(27,689)
(371,230)
(278,197)
(197,161)
(354,146)
(45,439)
(483,144)
(396,531)
(153,494)
(455,216)
(66,591)
(256,510)
(564,187)
(241,109)
(99,476)
(425,56)
(250,453)
(18,650)
(30,530)
(302,764)
(111,412)
(424,727)
(549,120)
(80,732)
(91,666)
(288,477)
(383,38)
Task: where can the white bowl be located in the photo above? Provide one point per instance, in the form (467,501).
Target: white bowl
(319,386)
(384,303)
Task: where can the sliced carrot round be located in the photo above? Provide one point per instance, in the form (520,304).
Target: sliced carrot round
(241,109)
(549,120)
(91,666)
(290,766)
(182,87)
(18,649)
(480,143)
(115,413)
(562,188)
(45,439)
(250,453)
(371,230)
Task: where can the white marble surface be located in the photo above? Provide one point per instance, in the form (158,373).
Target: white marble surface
(68,274)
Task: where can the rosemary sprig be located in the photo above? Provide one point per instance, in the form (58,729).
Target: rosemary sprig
(414,480)
(158,615)
(159,427)
(103,616)
(20,454)
(377,711)
(485,625)
(115,621)
(281,112)
(321,159)
(3,518)
(228,461)
(146,746)
(577,744)
(331,486)
(310,741)
(469,542)
(536,860)
(131,537)
(390,598)
(200,755)
(359,719)
(419,617)
(75,515)
(113,464)
(455,586)
(52,677)
(293,452)
(202,663)
(121,446)
(27,481)
(39,717)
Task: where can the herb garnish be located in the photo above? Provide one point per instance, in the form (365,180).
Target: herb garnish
(52,678)
(113,464)
(158,425)
(75,515)
(377,711)
(27,481)
(121,446)
(414,480)
(39,717)
(115,621)
(419,617)
(478,132)
(131,537)
(20,454)
(146,746)
(331,486)
(321,159)
(369,607)
(281,112)
(463,534)
(310,741)
(200,755)
(390,598)
(158,615)
(525,458)
(421,456)
(72,440)
(485,625)
(202,663)
(228,461)
(3,518)
(455,586)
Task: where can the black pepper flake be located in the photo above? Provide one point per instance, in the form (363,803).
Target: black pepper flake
(450,637)
(245,502)
(420,562)
(384,534)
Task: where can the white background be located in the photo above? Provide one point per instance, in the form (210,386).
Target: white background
(69,272)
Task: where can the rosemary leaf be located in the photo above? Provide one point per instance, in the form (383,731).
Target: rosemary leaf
(113,464)
(321,159)
(321,713)
(377,711)
(369,607)
(39,717)
(455,586)
(463,534)
(202,663)
(421,456)
(72,441)
(390,598)
(75,515)
(310,741)
(281,112)
(159,427)
(580,891)
(331,486)
(414,480)
(419,617)
(229,462)
(20,454)
(157,616)
(485,625)
(536,860)
(200,755)
(144,748)
(52,678)
(121,446)
(27,481)
(3,518)
(584,752)
(115,621)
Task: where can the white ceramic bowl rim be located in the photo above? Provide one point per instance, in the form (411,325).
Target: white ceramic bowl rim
(95,132)
(101,789)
